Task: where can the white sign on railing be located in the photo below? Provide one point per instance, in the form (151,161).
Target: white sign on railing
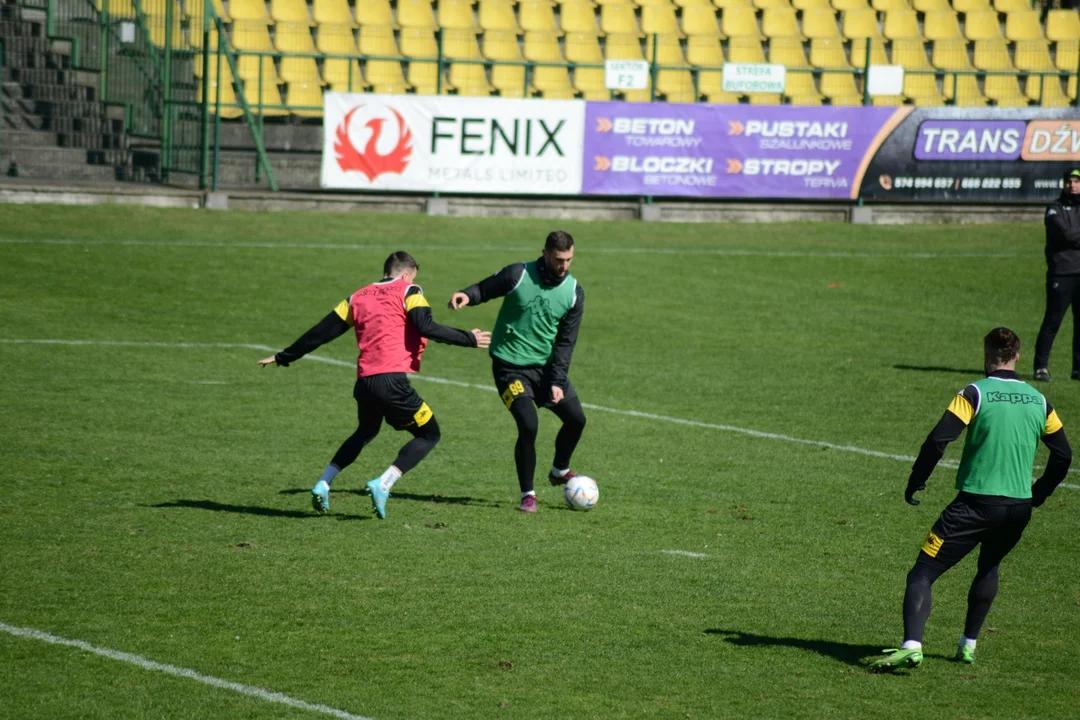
(886,80)
(753,78)
(626,74)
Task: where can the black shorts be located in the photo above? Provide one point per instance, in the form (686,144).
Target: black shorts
(966,522)
(390,396)
(514,381)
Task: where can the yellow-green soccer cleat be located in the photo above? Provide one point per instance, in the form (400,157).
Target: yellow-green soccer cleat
(896,659)
(965,654)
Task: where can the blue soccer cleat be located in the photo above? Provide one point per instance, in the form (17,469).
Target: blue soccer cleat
(378,497)
(320,497)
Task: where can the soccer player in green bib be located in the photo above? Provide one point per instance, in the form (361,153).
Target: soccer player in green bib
(531,347)
(1005,418)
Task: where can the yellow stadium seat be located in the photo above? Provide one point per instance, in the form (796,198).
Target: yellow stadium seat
(497,15)
(623,47)
(1023,25)
(745,50)
(194,9)
(668,50)
(221,92)
(700,20)
(415,13)
(618,18)
(456,14)
(423,76)
(963,90)
(117,8)
(983,25)
(1067,55)
(839,85)
(676,85)
(637,96)
(250,10)
(1062,25)
(290,11)
(378,41)
(711,83)
(336,39)
(251,35)
(195,37)
(764,98)
(590,83)
(385,76)
(844,5)
(332,12)
(810,4)
(551,79)
(1004,90)
(300,70)
(877,52)
(375,12)
(819,24)
(941,25)
(788,52)
(294,38)
(542,47)
(970,6)
(156,26)
(501,45)
(887,100)
(264,99)
(255,69)
(781,22)
(725,4)
(929,6)
(739,21)
(536,16)
(559,94)
(1034,56)
(722,98)
(830,53)
(950,55)
(509,80)
(704,51)
(1070,88)
(929,101)
(911,54)
(343,75)
(762,4)
(902,25)
(1046,91)
(583,48)
(992,55)
(887,5)
(860,24)
(304,99)
(691,3)
(660,19)
(578,17)
(469,80)
(1009,6)
(919,85)
(418,43)
(460,45)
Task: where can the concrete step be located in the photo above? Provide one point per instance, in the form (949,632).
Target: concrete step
(93,125)
(58,172)
(285,137)
(15,139)
(65,156)
(237,169)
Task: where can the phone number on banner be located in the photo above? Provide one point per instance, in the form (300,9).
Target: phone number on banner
(968,183)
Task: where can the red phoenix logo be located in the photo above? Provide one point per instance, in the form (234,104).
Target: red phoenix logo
(369,161)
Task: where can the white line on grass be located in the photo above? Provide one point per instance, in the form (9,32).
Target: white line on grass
(685,553)
(146,664)
(505,248)
(457,383)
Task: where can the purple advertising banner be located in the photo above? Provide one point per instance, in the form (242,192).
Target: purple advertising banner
(970,139)
(731,150)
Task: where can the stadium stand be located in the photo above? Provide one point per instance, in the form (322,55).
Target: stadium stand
(1005,53)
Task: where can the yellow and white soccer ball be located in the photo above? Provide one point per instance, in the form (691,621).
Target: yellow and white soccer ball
(581,493)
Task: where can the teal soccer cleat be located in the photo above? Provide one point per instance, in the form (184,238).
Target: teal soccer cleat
(378,497)
(896,659)
(320,497)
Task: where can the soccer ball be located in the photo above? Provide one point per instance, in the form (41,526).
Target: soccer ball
(581,493)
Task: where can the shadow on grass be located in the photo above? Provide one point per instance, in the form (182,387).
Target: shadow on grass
(940,369)
(252,510)
(847,653)
(395,495)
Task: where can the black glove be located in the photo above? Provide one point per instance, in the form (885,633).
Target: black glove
(1038,495)
(909,494)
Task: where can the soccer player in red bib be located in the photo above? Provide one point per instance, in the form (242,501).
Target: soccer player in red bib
(393,323)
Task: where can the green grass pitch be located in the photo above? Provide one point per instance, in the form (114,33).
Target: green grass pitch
(153,480)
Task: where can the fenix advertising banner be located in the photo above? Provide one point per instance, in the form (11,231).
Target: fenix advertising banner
(451,144)
(731,151)
(975,154)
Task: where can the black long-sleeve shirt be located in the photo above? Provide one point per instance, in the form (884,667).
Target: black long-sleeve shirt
(1063,235)
(339,320)
(951,426)
(506,280)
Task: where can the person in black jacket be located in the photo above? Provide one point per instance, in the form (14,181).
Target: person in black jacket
(1062,275)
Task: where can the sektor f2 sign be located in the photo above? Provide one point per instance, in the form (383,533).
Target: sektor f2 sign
(450,144)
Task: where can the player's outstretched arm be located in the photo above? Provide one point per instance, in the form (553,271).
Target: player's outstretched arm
(418,312)
(331,327)
(948,429)
(499,284)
